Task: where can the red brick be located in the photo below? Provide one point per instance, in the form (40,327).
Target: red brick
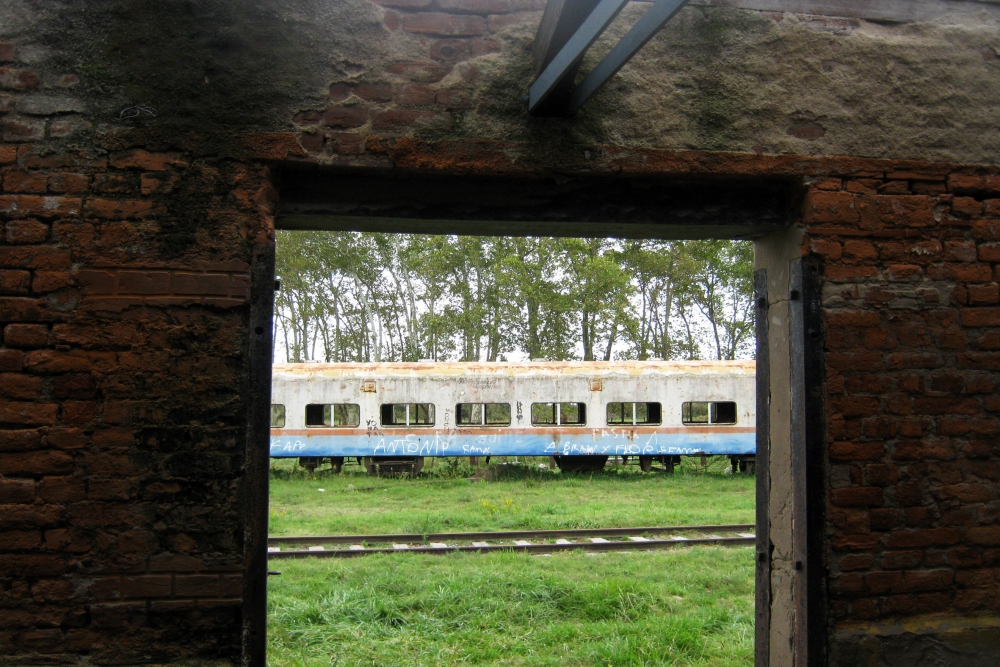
(62,490)
(20,387)
(968,493)
(143,282)
(31,182)
(15,282)
(928,537)
(67,183)
(902,560)
(966,207)
(6,52)
(50,281)
(920,581)
(196,585)
(73,361)
(831,208)
(146,586)
(856,562)
(21,129)
(857,496)
(26,231)
(200,283)
(983,536)
(445,25)
(416,95)
(28,464)
(21,540)
(857,406)
(856,451)
(960,251)
(973,184)
(497,22)
(894,188)
(345,117)
(66,438)
(18,79)
(946,406)
(147,161)
(374,92)
(16,491)
(13,440)
(28,414)
(338,92)
(984,294)
(97,282)
(174,563)
(34,257)
(112,209)
(231,586)
(882,582)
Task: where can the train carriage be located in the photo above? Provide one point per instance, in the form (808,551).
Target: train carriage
(580,413)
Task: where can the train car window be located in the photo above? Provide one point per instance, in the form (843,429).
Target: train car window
(336,415)
(634,413)
(705,412)
(724,413)
(483,414)
(408,414)
(569,414)
(277,415)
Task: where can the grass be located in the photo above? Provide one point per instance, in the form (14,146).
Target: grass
(688,606)
(522,497)
(685,607)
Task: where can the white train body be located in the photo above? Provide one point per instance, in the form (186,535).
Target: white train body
(634,408)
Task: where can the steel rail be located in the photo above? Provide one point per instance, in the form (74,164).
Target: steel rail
(647,545)
(505,535)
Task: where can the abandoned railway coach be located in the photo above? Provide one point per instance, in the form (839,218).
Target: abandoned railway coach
(578,412)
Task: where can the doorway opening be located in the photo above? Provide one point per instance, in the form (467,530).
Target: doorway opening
(639,208)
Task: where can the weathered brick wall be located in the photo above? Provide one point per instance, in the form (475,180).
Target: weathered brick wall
(123,310)
(912,303)
(124,253)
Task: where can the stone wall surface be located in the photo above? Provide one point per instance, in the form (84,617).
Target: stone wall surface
(141,148)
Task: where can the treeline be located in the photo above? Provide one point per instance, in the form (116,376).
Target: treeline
(349,296)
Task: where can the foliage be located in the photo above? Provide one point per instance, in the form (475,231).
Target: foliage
(348,296)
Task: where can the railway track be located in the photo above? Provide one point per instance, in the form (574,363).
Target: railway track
(531,541)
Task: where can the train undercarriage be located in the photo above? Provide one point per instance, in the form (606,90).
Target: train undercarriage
(397,465)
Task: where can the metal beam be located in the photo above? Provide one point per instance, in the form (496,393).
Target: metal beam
(571,54)
(634,39)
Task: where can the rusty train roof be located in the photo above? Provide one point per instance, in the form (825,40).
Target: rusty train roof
(504,368)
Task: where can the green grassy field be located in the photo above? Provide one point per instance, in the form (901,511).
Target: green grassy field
(525,496)
(689,606)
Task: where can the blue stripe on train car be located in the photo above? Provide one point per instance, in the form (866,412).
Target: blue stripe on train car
(436,444)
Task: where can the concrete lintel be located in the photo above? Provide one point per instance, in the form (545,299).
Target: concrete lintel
(896,11)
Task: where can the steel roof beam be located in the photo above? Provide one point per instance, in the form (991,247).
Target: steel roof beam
(622,52)
(571,54)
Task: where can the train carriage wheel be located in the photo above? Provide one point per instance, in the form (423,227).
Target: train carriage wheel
(310,463)
(645,463)
(581,463)
(337,463)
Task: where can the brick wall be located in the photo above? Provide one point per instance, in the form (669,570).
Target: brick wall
(123,311)
(912,304)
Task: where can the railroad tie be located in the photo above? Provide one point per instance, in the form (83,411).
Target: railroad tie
(438,545)
(522,543)
(480,544)
(400,546)
(598,540)
(317,548)
(562,541)
(638,538)
(746,535)
(356,547)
